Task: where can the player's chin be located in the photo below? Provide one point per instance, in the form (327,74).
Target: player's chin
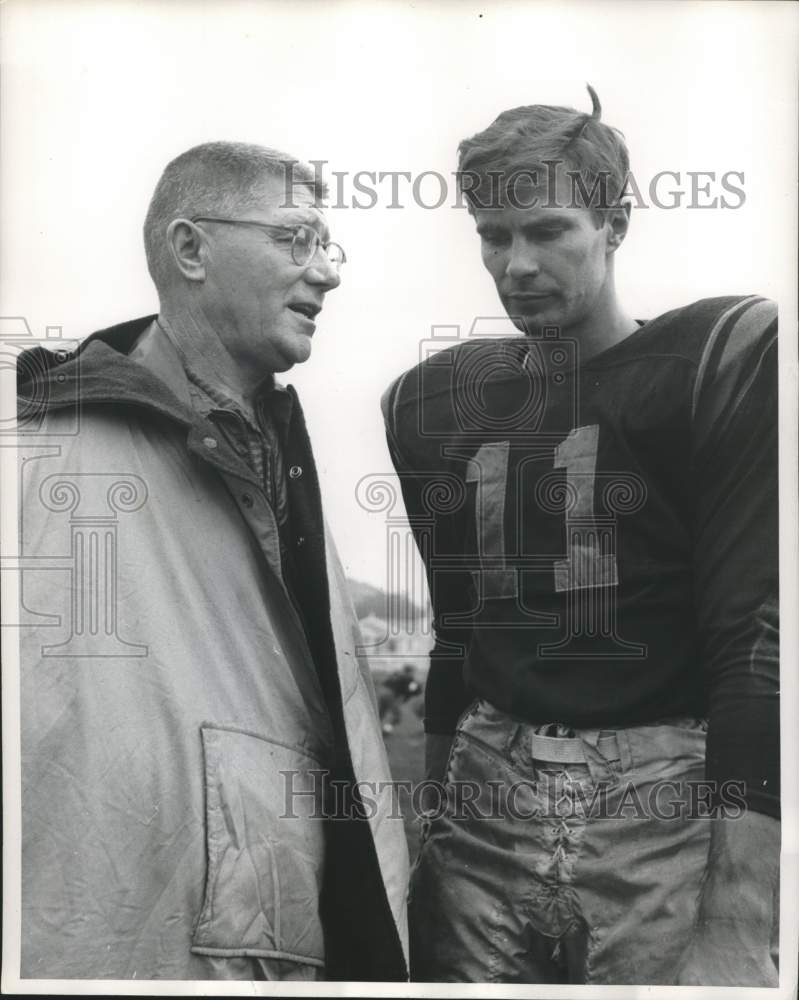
(518,322)
(545,319)
(533,321)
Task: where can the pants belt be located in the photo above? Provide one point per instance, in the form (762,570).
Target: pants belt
(567,750)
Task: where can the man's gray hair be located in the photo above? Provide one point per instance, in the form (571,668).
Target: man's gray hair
(216,178)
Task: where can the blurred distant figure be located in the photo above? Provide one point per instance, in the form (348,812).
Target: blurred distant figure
(392,694)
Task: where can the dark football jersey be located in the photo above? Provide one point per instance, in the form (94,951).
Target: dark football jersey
(600,539)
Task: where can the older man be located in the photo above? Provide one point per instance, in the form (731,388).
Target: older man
(194,715)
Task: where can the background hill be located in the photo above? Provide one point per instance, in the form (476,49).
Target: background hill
(371,600)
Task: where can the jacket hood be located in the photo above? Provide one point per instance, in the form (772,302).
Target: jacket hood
(99,371)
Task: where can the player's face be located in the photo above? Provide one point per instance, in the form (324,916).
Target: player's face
(551,264)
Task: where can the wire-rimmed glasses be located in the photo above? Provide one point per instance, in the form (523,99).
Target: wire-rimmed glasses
(305,240)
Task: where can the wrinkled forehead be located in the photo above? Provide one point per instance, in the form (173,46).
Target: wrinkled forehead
(286,201)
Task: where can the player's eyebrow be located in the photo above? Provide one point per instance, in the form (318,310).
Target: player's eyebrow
(552,221)
(490,228)
(548,214)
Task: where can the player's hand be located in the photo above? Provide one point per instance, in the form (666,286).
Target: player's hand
(738,914)
(724,955)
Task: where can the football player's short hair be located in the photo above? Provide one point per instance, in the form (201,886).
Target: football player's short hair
(530,141)
(218,179)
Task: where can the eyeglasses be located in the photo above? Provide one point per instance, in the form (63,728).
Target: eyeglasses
(305,240)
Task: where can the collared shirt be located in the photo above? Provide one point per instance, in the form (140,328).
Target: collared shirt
(258,438)
(258,441)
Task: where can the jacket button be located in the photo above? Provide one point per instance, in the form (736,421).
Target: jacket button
(295,472)
(209,442)
(300,542)
(247,500)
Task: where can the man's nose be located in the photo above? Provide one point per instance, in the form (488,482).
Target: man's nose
(320,270)
(523,260)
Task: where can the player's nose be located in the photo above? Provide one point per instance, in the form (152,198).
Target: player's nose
(523,260)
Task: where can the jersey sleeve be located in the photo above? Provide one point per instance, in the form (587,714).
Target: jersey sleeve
(736,550)
(446,693)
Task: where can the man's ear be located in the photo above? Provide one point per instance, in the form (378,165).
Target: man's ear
(187,246)
(617,222)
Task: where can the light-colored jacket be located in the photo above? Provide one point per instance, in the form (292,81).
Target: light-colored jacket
(174,728)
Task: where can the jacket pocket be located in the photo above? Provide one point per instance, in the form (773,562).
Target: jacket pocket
(265,849)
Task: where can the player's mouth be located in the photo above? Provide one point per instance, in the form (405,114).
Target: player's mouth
(529,298)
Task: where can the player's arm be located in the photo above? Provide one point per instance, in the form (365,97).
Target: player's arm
(446,694)
(736,579)
(446,698)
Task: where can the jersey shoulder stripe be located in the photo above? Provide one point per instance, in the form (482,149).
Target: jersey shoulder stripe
(733,356)
(680,333)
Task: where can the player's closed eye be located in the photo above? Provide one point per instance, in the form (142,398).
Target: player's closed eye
(493,240)
(543,233)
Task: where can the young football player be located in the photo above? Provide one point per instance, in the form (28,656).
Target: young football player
(596,503)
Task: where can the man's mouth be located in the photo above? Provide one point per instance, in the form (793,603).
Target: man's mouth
(529,298)
(307,309)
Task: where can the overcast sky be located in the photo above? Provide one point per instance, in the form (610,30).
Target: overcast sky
(97,97)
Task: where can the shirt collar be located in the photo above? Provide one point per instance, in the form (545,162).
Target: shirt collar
(157,351)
